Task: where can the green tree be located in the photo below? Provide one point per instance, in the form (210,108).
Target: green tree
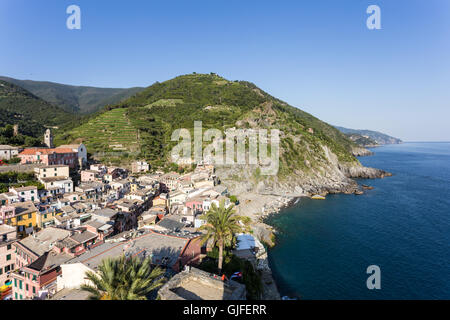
(123,279)
(221,226)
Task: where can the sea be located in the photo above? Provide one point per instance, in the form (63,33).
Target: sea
(324,247)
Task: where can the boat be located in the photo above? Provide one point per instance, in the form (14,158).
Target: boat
(318,197)
(367,187)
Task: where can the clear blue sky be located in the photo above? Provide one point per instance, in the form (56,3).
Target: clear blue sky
(316,55)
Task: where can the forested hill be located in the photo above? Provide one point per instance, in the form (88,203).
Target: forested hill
(142,125)
(32,114)
(76,99)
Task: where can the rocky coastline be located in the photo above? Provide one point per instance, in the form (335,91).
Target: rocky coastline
(259,200)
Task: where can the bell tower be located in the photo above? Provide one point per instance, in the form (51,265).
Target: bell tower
(48,138)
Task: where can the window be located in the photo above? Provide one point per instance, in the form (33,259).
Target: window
(30,225)
(34,277)
(15,295)
(20,285)
(19,218)
(1,271)
(34,290)
(8,247)
(22,193)
(8,257)
(26,287)
(30,215)
(15,283)
(45,216)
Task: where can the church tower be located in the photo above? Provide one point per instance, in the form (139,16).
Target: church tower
(48,138)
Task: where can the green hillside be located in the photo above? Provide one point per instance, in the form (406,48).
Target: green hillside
(108,132)
(361,140)
(377,137)
(149,118)
(77,99)
(32,114)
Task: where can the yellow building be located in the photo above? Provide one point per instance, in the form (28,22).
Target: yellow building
(160,201)
(46,218)
(134,187)
(25,217)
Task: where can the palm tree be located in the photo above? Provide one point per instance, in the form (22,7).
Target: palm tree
(123,279)
(221,225)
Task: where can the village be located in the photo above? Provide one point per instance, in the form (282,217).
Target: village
(50,237)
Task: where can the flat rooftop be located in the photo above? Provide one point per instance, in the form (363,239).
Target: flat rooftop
(195,284)
(162,249)
(70,294)
(41,241)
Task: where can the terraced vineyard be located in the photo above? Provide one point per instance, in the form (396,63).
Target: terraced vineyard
(110,131)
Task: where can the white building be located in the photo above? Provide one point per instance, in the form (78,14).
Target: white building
(52,171)
(26,193)
(58,182)
(8,152)
(140,166)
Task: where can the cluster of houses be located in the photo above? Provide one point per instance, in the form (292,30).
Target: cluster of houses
(50,237)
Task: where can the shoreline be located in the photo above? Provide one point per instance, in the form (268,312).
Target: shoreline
(289,201)
(261,199)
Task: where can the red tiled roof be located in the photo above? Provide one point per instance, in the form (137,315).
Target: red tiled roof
(33,151)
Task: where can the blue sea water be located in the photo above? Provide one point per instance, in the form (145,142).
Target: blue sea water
(324,247)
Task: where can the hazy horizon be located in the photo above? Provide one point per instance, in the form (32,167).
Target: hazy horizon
(318,56)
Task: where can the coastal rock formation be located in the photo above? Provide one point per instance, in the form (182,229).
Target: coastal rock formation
(361,152)
(364,172)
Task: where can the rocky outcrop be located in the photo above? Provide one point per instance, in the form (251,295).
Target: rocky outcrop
(361,152)
(360,172)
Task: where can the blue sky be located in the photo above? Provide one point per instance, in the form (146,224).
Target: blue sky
(316,55)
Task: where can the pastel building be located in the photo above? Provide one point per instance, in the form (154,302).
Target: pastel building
(50,156)
(8,235)
(140,166)
(24,219)
(89,175)
(6,212)
(52,171)
(81,151)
